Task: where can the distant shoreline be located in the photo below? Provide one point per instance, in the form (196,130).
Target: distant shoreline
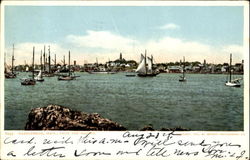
(161,72)
(203,73)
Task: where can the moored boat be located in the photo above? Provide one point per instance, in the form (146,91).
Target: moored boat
(30,81)
(183,77)
(66,78)
(232,82)
(39,77)
(144,70)
(10,74)
(130,75)
(69,76)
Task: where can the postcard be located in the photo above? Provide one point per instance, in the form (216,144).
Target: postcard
(124,80)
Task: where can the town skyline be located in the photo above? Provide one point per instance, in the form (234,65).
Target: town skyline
(166,32)
(54,58)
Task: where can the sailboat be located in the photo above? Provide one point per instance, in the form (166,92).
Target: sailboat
(69,76)
(234,82)
(144,70)
(183,77)
(6,68)
(11,74)
(39,77)
(27,69)
(30,81)
(48,73)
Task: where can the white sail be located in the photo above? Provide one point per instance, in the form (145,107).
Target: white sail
(40,74)
(230,82)
(142,66)
(7,68)
(27,69)
(150,65)
(142,58)
(39,77)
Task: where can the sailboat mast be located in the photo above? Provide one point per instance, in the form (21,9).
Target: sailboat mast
(5,67)
(145,60)
(33,62)
(12,61)
(49,59)
(183,67)
(44,59)
(69,63)
(63,60)
(41,60)
(180,63)
(230,66)
(55,60)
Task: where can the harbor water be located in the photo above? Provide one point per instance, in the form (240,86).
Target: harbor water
(202,103)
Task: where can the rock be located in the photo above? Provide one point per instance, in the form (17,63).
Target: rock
(179,128)
(150,128)
(147,128)
(55,117)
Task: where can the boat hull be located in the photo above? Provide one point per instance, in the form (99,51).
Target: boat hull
(48,75)
(68,78)
(182,79)
(130,75)
(147,75)
(10,75)
(28,82)
(104,72)
(40,79)
(232,84)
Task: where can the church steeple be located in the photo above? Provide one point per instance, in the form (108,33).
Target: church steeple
(120,56)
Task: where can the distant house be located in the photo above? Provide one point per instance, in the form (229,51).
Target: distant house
(127,65)
(89,65)
(238,67)
(102,68)
(188,68)
(197,68)
(174,69)
(162,68)
(224,68)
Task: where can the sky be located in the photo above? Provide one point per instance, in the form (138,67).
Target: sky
(103,32)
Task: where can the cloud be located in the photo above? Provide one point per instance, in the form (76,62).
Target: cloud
(236,50)
(101,39)
(106,45)
(169,49)
(24,51)
(170,26)
(232,49)
(172,49)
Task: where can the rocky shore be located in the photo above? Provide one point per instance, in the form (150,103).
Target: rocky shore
(55,117)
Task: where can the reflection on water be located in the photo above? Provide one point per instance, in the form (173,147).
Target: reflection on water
(201,103)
